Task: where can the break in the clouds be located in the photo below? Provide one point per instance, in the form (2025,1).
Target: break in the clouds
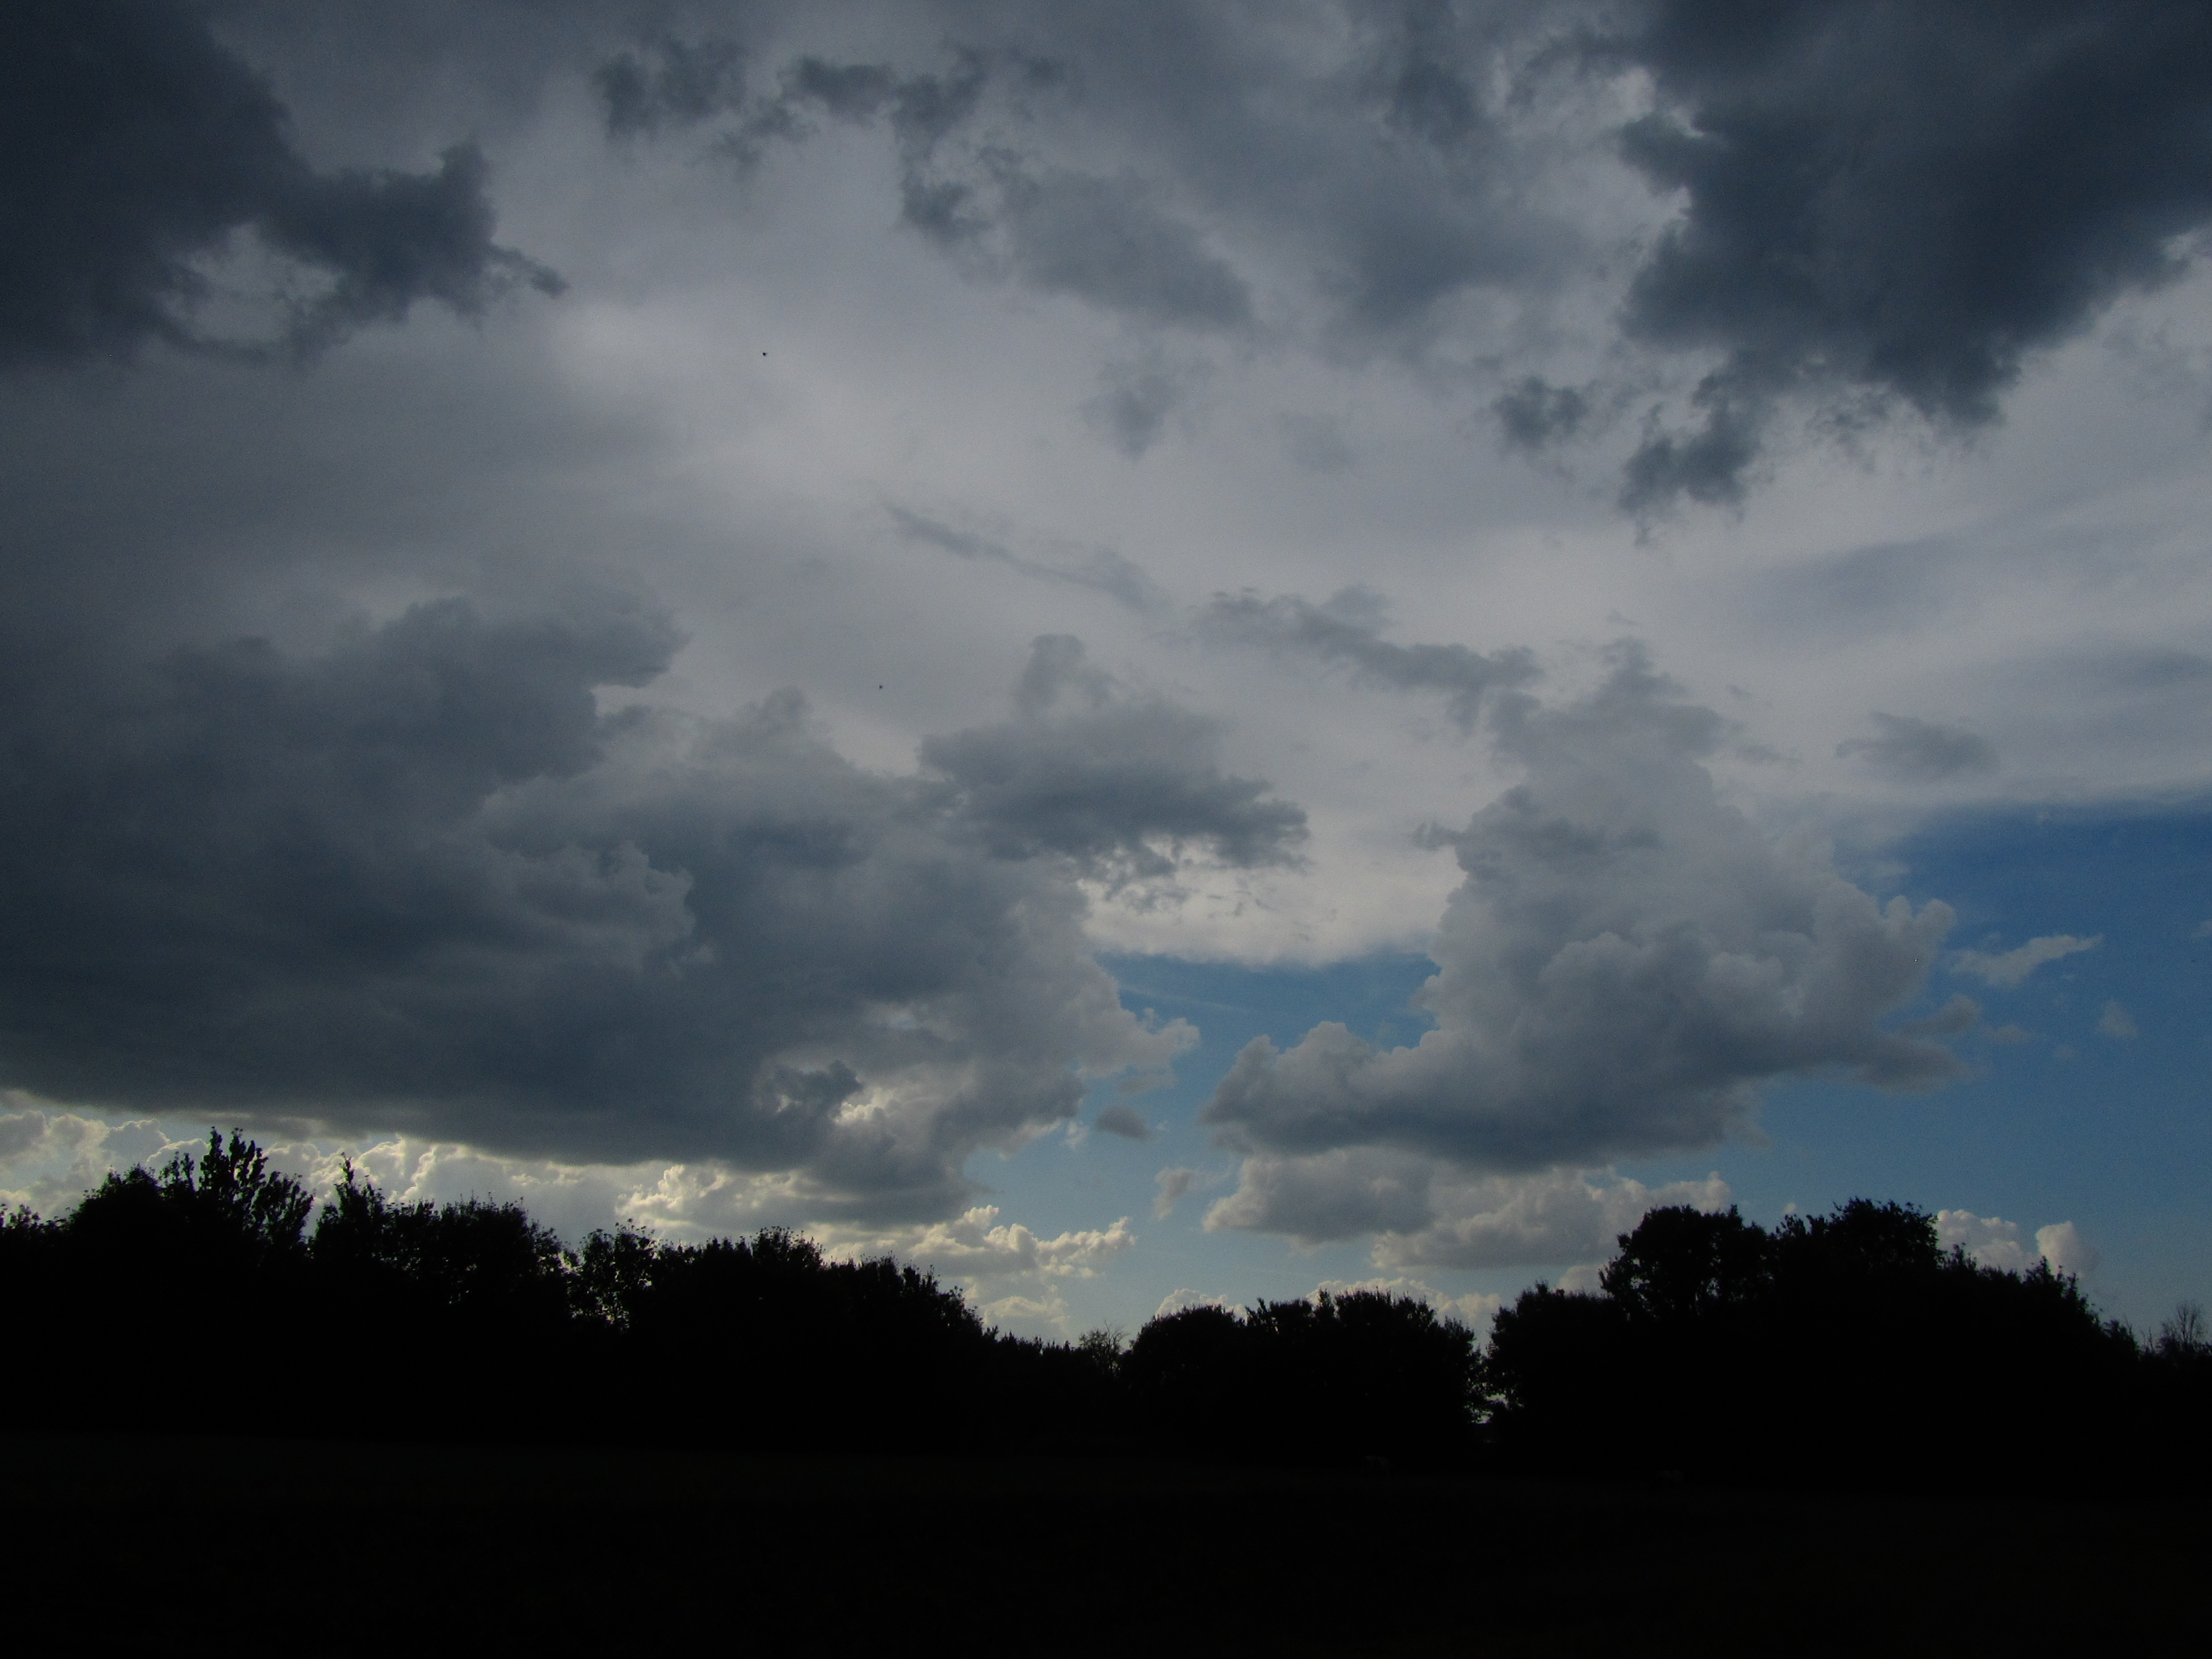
(1628,960)
(140,151)
(423,881)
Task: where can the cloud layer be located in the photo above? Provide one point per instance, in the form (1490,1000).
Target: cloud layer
(1625,962)
(422,882)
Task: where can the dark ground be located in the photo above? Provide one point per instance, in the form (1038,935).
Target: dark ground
(356,1546)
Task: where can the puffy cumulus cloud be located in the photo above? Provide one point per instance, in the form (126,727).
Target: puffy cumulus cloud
(152,181)
(2062,1245)
(1126,786)
(1920,751)
(1993,1242)
(419,884)
(1425,1214)
(978,1247)
(1888,202)
(2009,968)
(1627,959)
(50,1156)
(1013,1276)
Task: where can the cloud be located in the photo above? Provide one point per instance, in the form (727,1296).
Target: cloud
(2062,1246)
(1124,1121)
(2009,968)
(151,168)
(1173,1184)
(1535,416)
(420,883)
(1426,1214)
(1177,1300)
(1124,785)
(1100,568)
(2116,1022)
(1625,962)
(1904,201)
(1993,1242)
(1348,629)
(1920,751)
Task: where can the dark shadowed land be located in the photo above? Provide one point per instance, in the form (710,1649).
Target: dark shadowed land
(430,1425)
(345,1547)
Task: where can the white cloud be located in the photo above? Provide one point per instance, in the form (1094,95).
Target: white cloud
(2116,1022)
(2010,968)
(1990,1240)
(2062,1245)
(1177,1300)
(1993,1242)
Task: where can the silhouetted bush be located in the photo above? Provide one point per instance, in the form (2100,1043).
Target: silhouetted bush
(1843,1348)
(1840,1348)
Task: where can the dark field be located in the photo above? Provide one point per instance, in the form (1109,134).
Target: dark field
(345,1547)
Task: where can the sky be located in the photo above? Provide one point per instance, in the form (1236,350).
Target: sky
(1148,654)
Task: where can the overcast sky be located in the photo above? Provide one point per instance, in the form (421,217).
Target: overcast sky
(1148,652)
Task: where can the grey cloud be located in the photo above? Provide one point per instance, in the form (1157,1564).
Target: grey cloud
(419,883)
(1125,785)
(1125,1122)
(1172,1185)
(1104,240)
(1920,751)
(1905,200)
(1100,568)
(1129,156)
(1422,1213)
(1535,415)
(1348,629)
(689,83)
(1625,962)
(140,148)
(1133,402)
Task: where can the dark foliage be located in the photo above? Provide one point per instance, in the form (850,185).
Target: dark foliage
(1848,1348)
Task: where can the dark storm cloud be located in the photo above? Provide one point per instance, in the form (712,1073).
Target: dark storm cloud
(420,882)
(1348,629)
(1920,751)
(1123,785)
(1534,415)
(1901,199)
(138,149)
(1131,157)
(1625,962)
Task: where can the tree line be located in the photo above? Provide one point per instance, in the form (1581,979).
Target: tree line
(1846,1347)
